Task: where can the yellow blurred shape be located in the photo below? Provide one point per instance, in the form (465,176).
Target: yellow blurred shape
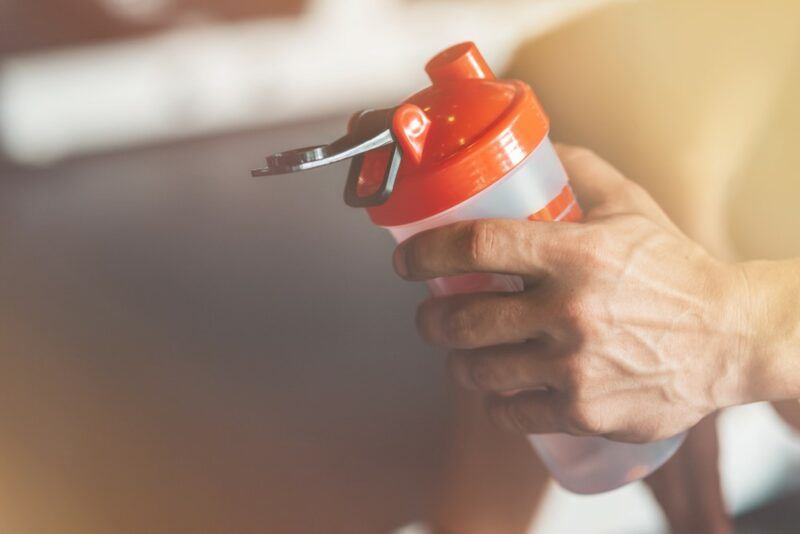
(682,97)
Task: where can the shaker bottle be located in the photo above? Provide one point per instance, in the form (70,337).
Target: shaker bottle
(471,146)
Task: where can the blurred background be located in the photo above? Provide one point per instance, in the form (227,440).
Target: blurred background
(131,72)
(185,349)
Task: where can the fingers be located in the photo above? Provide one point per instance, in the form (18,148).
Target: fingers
(534,412)
(481,320)
(489,245)
(507,369)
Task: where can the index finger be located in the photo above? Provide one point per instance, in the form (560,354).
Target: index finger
(502,246)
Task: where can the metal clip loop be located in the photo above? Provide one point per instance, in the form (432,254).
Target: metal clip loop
(371,131)
(303,159)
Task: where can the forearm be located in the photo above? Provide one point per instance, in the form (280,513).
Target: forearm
(688,486)
(492,480)
(772,366)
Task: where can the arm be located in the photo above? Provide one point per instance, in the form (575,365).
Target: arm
(688,486)
(492,480)
(781,326)
(774,313)
(627,329)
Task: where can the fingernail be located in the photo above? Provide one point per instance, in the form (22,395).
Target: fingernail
(399,260)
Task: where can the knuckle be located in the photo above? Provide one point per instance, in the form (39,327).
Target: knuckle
(456,327)
(480,243)
(483,373)
(512,415)
(640,431)
(641,435)
(523,418)
(575,309)
(582,312)
(583,418)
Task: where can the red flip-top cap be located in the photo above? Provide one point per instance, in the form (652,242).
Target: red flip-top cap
(481,128)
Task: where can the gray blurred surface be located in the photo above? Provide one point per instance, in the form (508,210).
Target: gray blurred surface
(778,517)
(186,349)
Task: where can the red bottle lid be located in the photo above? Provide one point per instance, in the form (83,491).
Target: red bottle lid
(480,129)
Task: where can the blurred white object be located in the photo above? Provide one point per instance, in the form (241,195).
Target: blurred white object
(343,55)
(138,10)
(415,528)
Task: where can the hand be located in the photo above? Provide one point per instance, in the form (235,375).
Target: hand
(688,486)
(626,328)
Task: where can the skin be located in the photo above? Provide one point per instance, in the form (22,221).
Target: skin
(492,482)
(688,486)
(626,329)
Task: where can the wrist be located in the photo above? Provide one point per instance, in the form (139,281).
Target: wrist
(769,337)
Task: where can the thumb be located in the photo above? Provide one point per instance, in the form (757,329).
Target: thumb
(595,182)
(602,190)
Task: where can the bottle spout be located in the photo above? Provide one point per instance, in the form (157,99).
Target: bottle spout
(460,62)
